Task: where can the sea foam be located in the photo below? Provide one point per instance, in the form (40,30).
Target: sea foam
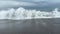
(22,13)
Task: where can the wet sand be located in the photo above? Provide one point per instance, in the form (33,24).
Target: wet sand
(30,26)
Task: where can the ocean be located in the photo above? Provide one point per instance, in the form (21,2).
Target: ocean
(22,21)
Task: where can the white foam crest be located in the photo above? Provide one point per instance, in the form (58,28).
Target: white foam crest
(22,13)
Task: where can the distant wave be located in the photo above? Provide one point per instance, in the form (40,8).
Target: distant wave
(22,13)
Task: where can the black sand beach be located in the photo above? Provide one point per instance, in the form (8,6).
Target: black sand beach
(30,26)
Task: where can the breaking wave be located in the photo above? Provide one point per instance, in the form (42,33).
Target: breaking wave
(22,13)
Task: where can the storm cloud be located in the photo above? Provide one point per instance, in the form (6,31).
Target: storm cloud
(32,4)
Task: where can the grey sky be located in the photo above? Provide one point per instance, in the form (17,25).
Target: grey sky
(37,4)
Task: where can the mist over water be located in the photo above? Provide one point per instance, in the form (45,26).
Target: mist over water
(22,13)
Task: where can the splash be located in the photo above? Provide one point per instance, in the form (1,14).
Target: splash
(22,13)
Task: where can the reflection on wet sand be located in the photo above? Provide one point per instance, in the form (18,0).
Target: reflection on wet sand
(30,26)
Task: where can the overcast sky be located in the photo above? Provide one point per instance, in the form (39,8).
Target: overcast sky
(30,4)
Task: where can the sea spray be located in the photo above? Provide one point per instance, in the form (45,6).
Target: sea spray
(22,13)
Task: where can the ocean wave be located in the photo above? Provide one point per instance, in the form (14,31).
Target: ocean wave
(22,13)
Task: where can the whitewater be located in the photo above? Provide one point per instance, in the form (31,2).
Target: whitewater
(22,13)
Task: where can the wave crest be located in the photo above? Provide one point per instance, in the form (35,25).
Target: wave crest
(22,13)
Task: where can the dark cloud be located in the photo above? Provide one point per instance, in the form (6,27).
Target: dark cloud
(31,4)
